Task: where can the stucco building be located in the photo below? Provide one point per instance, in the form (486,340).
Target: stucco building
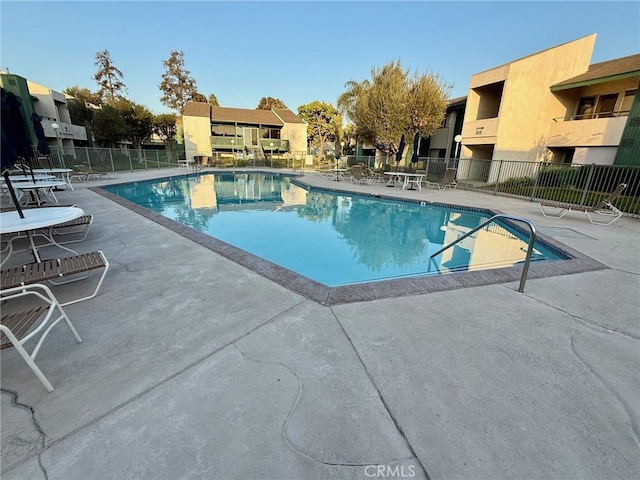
(50,105)
(209,130)
(553,106)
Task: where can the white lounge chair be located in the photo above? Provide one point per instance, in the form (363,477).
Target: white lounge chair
(604,208)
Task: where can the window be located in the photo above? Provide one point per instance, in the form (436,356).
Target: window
(585,108)
(627,101)
(606,105)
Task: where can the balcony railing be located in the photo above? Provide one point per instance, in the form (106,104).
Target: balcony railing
(230,143)
(590,116)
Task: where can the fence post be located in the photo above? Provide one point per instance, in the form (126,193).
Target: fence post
(113,167)
(535,183)
(498,177)
(86,151)
(587,184)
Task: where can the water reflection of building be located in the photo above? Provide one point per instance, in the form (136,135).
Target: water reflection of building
(228,191)
(491,246)
(202,193)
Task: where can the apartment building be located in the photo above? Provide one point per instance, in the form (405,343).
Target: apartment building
(552,106)
(209,129)
(50,105)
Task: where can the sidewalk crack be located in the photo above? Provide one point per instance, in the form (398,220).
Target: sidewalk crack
(577,320)
(41,435)
(382,399)
(290,415)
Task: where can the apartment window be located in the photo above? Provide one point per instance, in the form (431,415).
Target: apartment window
(627,101)
(585,108)
(275,133)
(606,105)
(218,130)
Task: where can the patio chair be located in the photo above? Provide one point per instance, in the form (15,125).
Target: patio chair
(200,162)
(448,180)
(54,270)
(358,176)
(19,327)
(82,172)
(76,230)
(604,208)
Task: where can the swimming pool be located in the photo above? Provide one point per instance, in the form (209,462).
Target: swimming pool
(333,238)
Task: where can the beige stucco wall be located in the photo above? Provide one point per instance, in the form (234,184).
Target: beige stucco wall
(591,132)
(197,136)
(527,105)
(597,155)
(296,133)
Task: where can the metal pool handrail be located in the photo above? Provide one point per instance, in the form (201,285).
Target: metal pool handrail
(527,259)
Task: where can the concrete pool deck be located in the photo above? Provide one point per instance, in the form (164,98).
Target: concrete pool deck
(193,366)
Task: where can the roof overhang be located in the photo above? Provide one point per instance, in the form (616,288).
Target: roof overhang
(595,81)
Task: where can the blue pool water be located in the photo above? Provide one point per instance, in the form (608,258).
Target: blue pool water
(333,238)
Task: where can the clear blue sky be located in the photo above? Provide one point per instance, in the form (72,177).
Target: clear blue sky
(298,51)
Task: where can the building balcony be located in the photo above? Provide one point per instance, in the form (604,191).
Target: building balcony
(440,138)
(480,131)
(230,143)
(66,130)
(592,132)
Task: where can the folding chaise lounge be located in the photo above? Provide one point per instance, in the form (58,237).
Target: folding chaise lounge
(603,208)
(448,180)
(82,172)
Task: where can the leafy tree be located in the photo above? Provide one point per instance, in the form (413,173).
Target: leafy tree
(84,94)
(267,103)
(109,78)
(79,112)
(198,97)
(393,103)
(178,87)
(323,121)
(347,101)
(109,126)
(164,125)
(213,100)
(138,121)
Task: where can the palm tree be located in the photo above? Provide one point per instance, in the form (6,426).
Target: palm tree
(348,100)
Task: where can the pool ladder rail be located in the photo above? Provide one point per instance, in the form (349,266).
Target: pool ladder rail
(527,260)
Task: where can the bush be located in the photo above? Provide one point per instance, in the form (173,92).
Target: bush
(518,182)
(558,176)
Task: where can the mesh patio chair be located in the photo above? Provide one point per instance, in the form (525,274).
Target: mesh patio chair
(448,180)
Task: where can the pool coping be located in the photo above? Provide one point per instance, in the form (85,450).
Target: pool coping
(361,292)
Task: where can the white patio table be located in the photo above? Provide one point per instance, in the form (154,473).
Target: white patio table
(27,178)
(33,189)
(65,174)
(409,180)
(36,219)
